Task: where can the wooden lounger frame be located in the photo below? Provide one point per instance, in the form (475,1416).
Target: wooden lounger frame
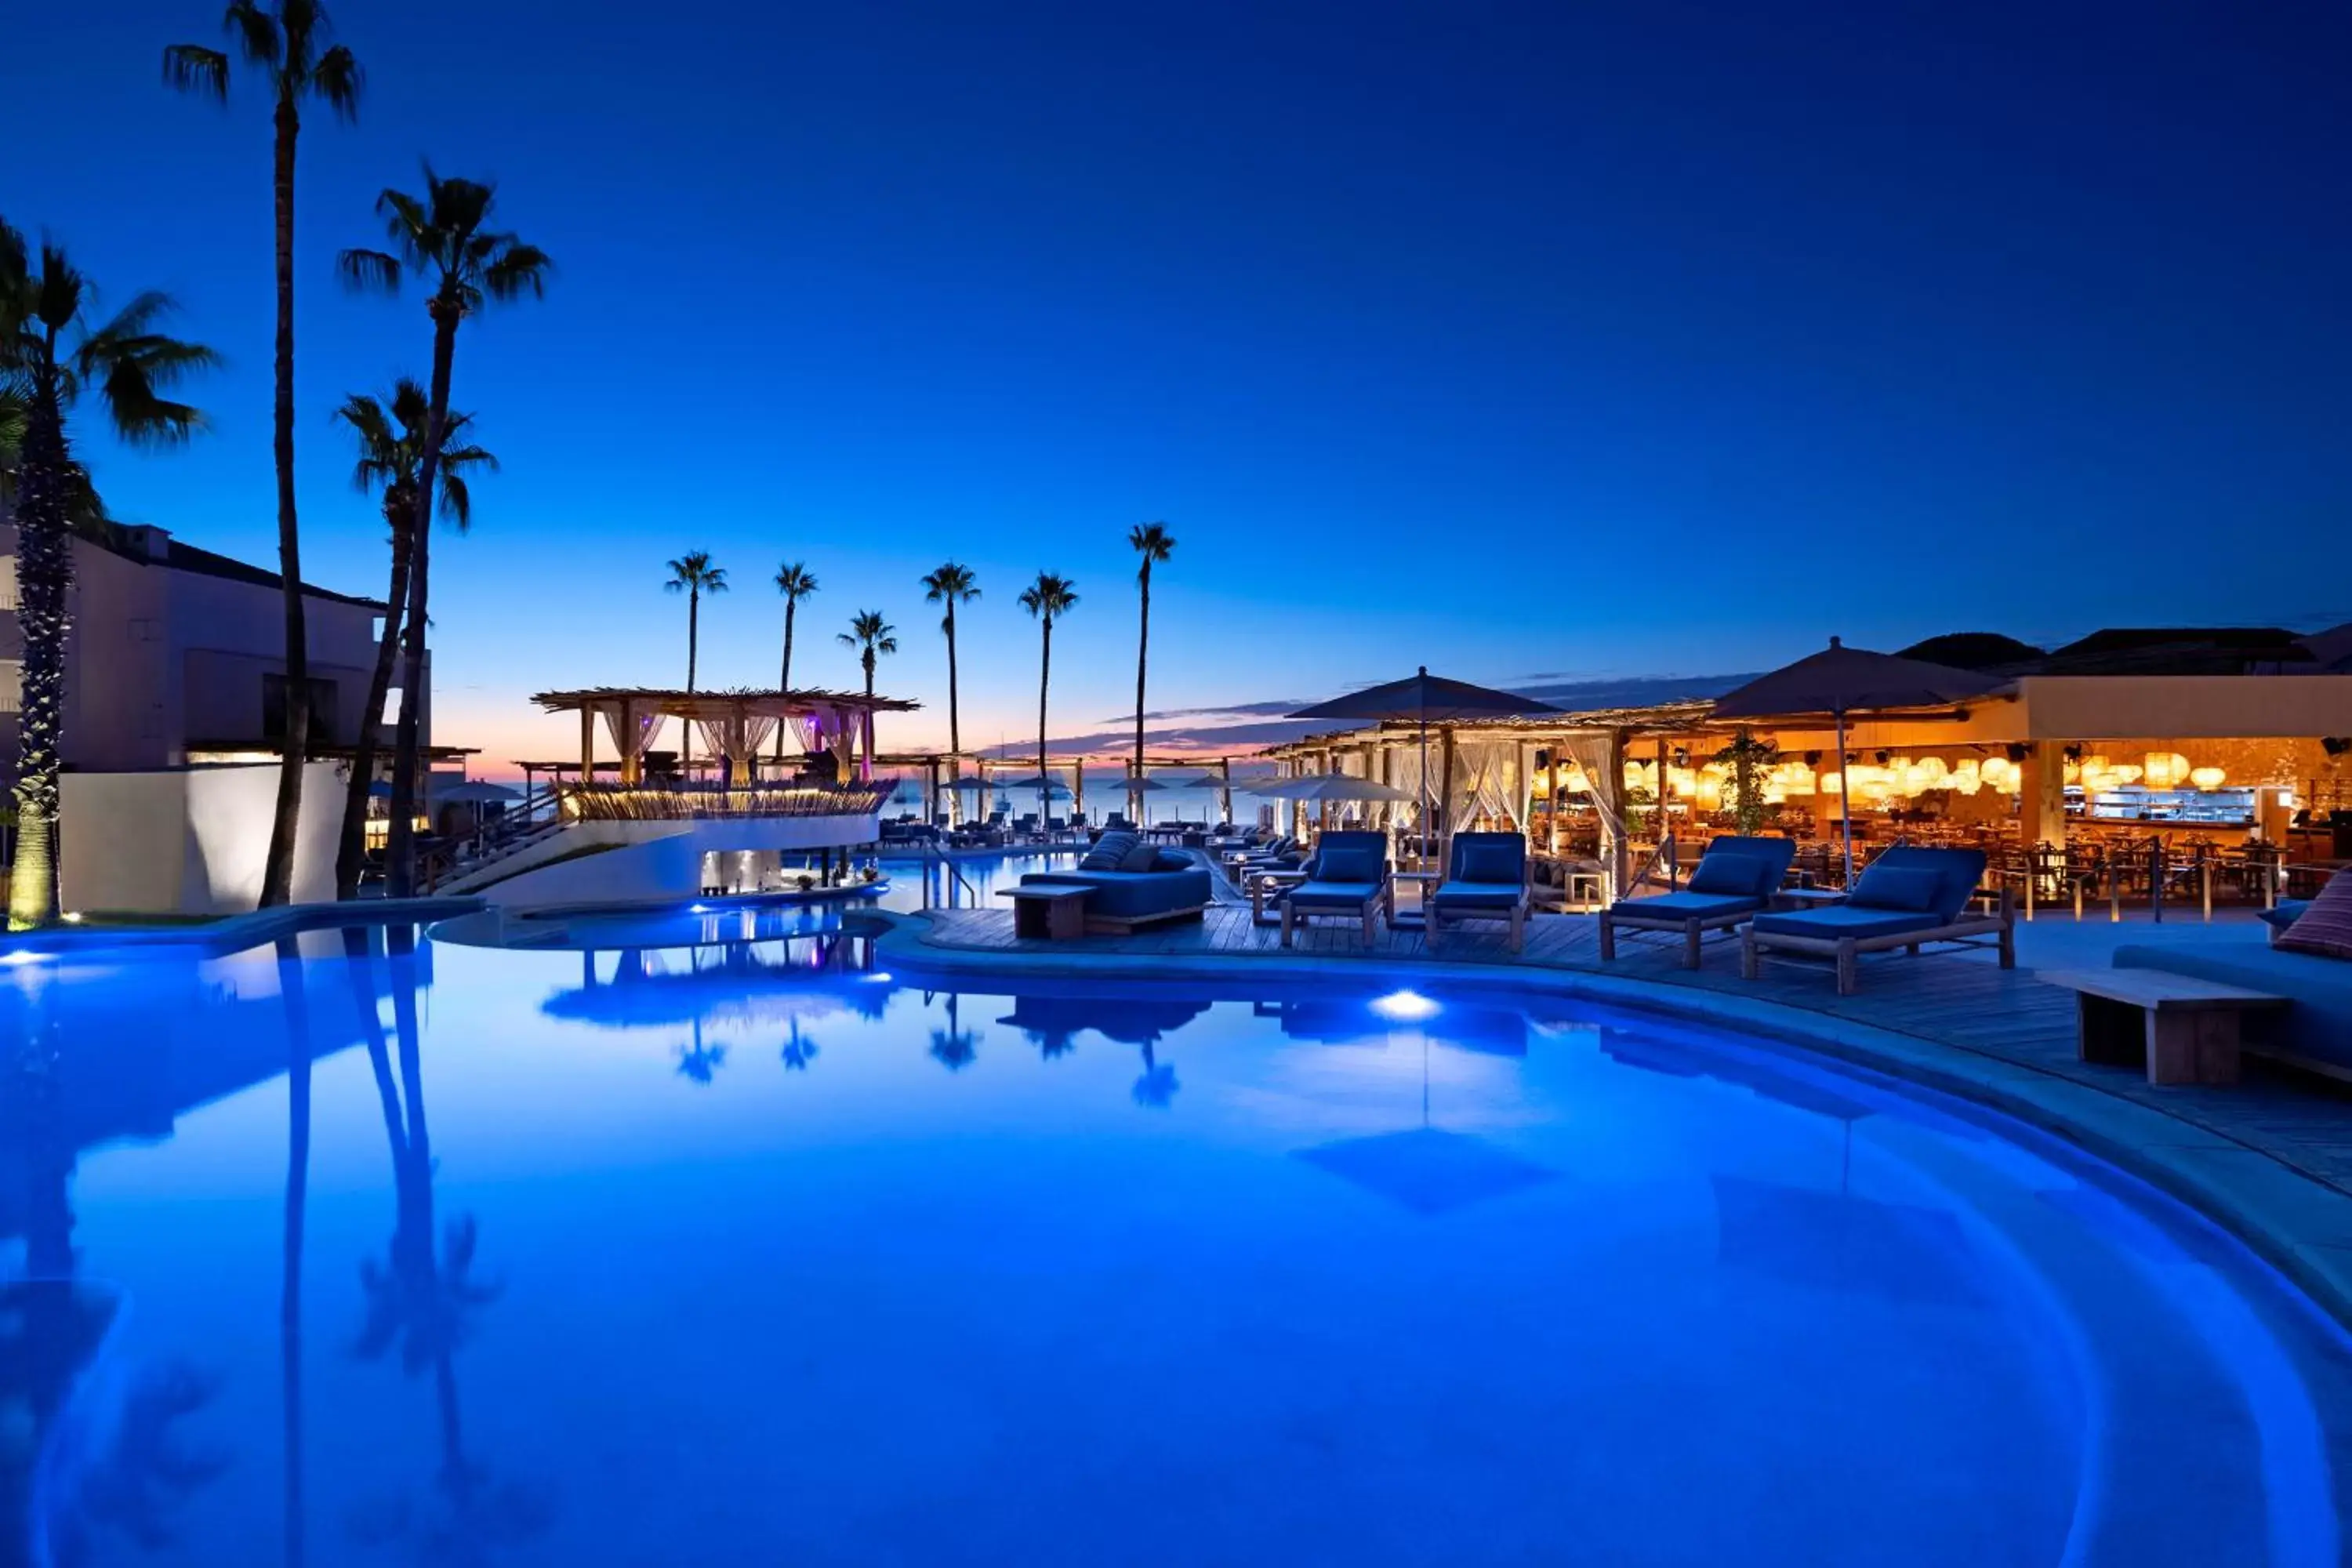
(1972,930)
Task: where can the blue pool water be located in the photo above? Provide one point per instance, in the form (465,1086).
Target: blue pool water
(747,1252)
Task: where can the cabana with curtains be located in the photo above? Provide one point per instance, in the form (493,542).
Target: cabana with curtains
(733,726)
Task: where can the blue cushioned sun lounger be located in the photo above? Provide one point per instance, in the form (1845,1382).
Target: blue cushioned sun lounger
(1485,879)
(1734,879)
(1909,897)
(1348,875)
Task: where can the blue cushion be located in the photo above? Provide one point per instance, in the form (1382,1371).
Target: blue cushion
(1730,874)
(1108,852)
(1139,857)
(1347,894)
(1348,865)
(1844,919)
(1172,860)
(1488,863)
(1479,895)
(2288,911)
(1121,894)
(1958,872)
(1682,907)
(1909,888)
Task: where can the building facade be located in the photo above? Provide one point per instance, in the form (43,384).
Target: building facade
(177,656)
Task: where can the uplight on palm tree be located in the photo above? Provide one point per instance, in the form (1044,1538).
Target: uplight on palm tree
(1154,543)
(693,575)
(951,584)
(50,356)
(444,234)
(286,40)
(390,434)
(1047,599)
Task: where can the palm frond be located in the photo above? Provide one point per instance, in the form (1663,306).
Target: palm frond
(142,417)
(337,79)
(57,295)
(255,31)
(368,271)
(518,269)
(191,68)
(457,500)
(302,24)
(407,223)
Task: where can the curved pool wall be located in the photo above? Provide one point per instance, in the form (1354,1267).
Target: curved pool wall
(1273,1269)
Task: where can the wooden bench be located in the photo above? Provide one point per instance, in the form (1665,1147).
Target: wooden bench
(2185,1030)
(1058,913)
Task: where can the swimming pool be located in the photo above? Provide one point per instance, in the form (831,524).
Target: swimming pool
(748,1253)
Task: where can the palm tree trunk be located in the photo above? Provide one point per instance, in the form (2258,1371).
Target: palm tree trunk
(400,849)
(351,853)
(278,871)
(44,573)
(955,731)
(784,678)
(693,639)
(1142,655)
(1044,680)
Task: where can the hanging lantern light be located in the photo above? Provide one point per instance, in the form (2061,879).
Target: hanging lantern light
(2165,770)
(2207,778)
(2125,774)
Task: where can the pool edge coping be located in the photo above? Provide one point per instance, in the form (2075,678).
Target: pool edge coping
(2298,1225)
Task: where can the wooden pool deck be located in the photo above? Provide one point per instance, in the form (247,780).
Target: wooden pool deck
(1961,1002)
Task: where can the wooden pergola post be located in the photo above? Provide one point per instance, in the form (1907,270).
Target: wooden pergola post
(1079,790)
(587,744)
(1225,789)
(1444,795)
(932,796)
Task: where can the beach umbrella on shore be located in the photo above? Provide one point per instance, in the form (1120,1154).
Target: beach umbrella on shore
(1841,681)
(1423,699)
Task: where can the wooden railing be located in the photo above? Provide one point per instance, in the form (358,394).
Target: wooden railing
(682,802)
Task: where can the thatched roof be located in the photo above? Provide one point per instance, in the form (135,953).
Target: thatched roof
(723,702)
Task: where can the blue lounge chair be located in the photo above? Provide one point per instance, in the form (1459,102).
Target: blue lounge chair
(1487,878)
(1734,879)
(1909,897)
(1348,875)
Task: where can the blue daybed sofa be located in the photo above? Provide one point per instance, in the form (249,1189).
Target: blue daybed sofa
(2313,1031)
(1133,884)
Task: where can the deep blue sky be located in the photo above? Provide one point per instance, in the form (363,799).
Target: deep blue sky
(1517,339)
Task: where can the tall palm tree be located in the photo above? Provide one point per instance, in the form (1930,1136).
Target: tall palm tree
(795,582)
(446,235)
(872,636)
(130,363)
(287,41)
(951,584)
(390,434)
(1152,541)
(1047,599)
(693,575)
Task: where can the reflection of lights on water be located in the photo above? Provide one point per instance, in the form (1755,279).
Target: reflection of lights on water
(1405,1006)
(22,956)
(697,908)
(879,977)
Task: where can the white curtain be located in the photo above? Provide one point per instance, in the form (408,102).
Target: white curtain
(1485,782)
(756,731)
(631,745)
(715,737)
(1596,754)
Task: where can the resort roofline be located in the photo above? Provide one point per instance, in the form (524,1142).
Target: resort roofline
(723,702)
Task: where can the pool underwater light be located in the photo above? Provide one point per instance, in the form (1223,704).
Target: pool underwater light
(1405,1006)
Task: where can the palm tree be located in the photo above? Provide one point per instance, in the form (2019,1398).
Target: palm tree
(446,235)
(283,40)
(1047,599)
(693,575)
(391,438)
(951,584)
(871,635)
(795,582)
(1152,541)
(130,362)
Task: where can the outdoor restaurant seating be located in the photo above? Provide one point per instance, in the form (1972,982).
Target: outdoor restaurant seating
(1348,875)
(1487,878)
(1734,879)
(1909,896)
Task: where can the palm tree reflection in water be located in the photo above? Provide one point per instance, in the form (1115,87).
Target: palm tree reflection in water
(698,1062)
(424,1300)
(954,1047)
(799,1050)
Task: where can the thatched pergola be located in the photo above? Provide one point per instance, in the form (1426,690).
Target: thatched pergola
(735,725)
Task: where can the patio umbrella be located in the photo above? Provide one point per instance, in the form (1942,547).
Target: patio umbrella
(1420,698)
(472,791)
(1840,681)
